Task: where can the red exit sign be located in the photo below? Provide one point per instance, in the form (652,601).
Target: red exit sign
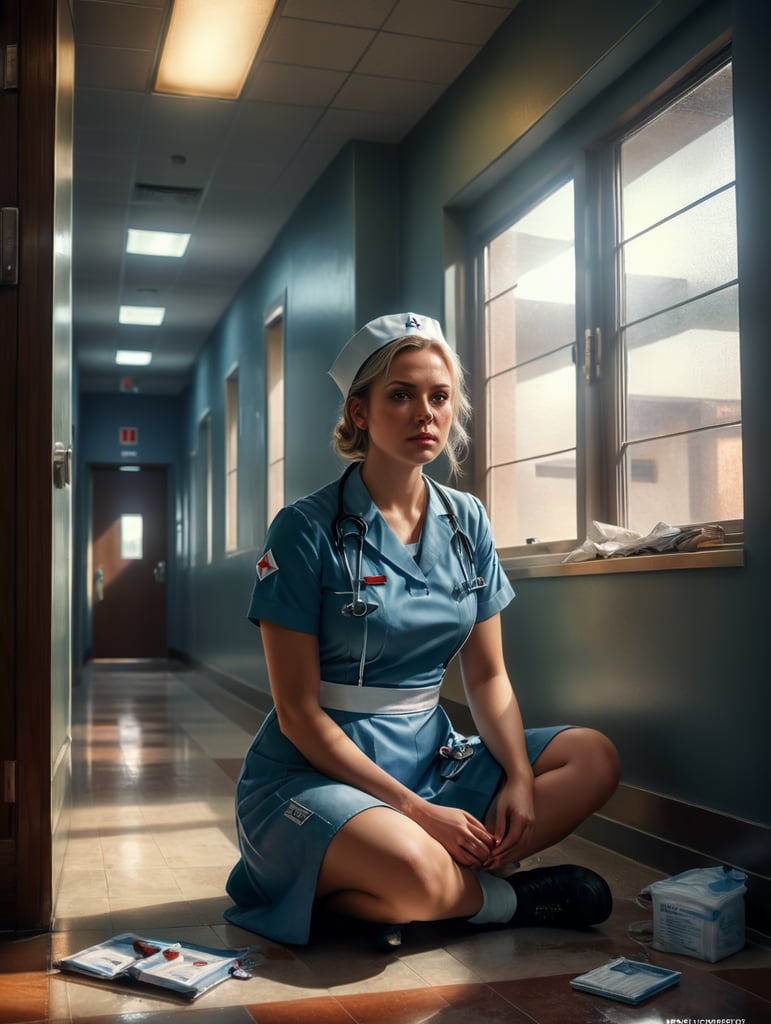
(128,435)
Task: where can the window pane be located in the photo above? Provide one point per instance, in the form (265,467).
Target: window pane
(533,409)
(683,368)
(131,536)
(531,378)
(693,478)
(534,500)
(681,451)
(520,329)
(683,154)
(535,254)
(682,258)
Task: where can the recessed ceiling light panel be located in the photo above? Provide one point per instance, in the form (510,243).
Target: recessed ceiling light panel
(157,243)
(144,316)
(209,47)
(133,357)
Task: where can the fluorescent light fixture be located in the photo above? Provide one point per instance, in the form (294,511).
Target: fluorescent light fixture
(209,47)
(156,243)
(131,357)
(129,469)
(146,316)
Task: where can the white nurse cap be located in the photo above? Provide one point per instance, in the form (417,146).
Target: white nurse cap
(374,336)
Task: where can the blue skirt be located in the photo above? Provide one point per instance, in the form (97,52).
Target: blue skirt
(287,813)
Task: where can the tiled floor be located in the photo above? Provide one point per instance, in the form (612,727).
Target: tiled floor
(155,753)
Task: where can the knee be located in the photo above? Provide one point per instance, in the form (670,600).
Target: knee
(426,873)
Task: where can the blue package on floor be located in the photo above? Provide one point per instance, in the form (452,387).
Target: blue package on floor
(626,980)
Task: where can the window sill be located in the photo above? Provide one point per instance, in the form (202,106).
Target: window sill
(730,555)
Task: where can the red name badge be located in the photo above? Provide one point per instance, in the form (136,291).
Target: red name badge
(374,581)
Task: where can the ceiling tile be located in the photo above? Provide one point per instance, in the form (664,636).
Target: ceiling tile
(446,19)
(102,67)
(101,166)
(127,26)
(387,95)
(155,168)
(187,120)
(429,60)
(285,83)
(365,13)
(317,44)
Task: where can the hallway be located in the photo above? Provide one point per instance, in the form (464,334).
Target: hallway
(156,750)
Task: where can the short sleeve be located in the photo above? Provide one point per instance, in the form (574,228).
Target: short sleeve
(287,585)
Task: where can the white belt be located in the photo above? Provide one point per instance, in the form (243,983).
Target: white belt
(377,700)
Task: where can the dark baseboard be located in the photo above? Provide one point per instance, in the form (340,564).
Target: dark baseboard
(673,836)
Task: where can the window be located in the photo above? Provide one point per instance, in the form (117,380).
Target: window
(530,392)
(203,493)
(231,460)
(131,534)
(678,321)
(274,341)
(612,377)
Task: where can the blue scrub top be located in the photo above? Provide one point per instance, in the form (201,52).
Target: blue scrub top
(424,613)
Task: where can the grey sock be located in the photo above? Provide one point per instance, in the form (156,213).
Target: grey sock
(499,901)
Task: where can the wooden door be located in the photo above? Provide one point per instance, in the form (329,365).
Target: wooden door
(9,35)
(129,562)
(35,176)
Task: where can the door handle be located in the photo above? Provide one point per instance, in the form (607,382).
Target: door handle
(159,572)
(62,465)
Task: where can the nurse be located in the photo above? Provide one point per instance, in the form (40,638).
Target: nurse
(357,794)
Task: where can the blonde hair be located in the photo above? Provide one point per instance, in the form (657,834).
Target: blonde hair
(351,442)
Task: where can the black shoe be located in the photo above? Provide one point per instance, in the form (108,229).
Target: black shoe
(386,937)
(566,896)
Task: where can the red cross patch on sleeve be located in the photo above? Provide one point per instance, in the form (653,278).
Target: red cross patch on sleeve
(266,565)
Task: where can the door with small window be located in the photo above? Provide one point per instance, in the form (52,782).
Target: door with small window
(129,562)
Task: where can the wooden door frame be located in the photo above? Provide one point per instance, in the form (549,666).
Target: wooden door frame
(9,120)
(27,876)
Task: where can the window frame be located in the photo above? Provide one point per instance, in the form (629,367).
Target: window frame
(232,454)
(590,159)
(274,333)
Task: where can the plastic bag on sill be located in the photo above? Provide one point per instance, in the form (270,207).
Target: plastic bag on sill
(607,541)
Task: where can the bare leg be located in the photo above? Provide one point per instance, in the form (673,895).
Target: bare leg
(574,776)
(383,867)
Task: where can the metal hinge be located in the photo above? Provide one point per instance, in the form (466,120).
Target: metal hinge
(592,354)
(9,67)
(9,782)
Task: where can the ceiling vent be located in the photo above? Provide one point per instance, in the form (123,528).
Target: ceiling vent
(166,195)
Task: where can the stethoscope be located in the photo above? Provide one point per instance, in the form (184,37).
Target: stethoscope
(350,525)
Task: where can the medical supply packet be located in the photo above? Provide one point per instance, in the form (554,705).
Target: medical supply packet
(628,981)
(185,968)
(699,913)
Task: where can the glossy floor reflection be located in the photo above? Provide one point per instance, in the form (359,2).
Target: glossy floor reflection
(156,749)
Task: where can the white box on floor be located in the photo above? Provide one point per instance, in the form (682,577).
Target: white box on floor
(700,913)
